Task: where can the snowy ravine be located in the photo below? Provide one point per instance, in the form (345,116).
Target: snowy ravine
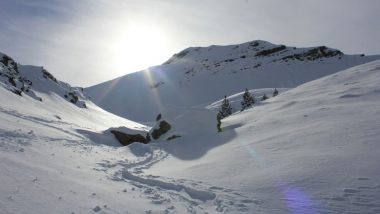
(200,75)
(312,149)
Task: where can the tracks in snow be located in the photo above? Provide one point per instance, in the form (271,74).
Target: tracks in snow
(364,194)
(176,195)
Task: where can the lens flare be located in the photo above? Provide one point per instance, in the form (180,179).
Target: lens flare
(297,201)
(105,92)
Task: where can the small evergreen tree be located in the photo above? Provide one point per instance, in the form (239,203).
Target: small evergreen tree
(275,92)
(264,97)
(219,117)
(248,100)
(226,109)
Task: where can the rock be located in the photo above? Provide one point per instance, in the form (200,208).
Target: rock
(48,75)
(173,137)
(17,91)
(163,128)
(148,137)
(126,139)
(159,116)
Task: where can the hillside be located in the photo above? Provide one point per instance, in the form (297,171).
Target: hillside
(31,94)
(312,149)
(198,76)
(36,82)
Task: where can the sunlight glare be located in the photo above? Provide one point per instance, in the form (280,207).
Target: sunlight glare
(139,47)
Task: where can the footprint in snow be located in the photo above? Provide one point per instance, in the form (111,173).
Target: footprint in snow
(97,209)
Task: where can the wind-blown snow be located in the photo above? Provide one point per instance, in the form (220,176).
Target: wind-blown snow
(198,76)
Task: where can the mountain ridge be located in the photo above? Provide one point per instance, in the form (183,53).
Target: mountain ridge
(200,75)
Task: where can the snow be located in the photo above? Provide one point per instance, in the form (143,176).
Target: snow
(311,149)
(202,75)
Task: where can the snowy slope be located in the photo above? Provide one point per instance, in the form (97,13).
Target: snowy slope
(312,149)
(36,82)
(198,76)
(34,95)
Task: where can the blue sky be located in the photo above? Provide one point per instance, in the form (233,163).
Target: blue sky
(85,42)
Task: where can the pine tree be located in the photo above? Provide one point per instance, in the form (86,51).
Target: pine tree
(219,117)
(226,109)
(248,100)
(264,97)
(275,92)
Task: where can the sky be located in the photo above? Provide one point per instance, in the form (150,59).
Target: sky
(86,42)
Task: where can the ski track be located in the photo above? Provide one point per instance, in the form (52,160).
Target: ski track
(43,121)
(176,195)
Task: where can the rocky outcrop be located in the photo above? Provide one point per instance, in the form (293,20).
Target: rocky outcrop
(268,52)
(126,139)
(27,80)
(314,54)
(48,75)
(163,127)
(128,136)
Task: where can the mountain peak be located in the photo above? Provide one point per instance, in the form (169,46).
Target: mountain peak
(258,50)
(199,75)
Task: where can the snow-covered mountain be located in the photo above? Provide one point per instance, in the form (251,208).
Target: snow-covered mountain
(34,95)
(36,82)
(199,76)
(312,149)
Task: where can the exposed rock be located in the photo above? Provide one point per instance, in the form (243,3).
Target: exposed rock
(157,84)
(18,80)
(48,75)
(9,62)
(163,128)
(12,81)
(173,137)
(126,139)
(17,91)
(315,53)
(268,52)
(148,137)
(159,116)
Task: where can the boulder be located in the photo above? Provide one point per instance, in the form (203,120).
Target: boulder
(163,127)
(126,139)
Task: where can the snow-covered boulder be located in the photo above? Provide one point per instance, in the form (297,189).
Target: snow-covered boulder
(127,136)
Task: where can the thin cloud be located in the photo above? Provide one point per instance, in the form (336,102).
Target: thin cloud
(74,39)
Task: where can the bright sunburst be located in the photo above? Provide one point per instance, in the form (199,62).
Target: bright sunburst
(139,47)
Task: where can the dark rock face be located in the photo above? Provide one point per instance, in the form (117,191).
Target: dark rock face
(268,52)
(163,128)
(48,75)
(126,139)
(9,62)
(314,54)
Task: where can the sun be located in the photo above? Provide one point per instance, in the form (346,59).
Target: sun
(139,47)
